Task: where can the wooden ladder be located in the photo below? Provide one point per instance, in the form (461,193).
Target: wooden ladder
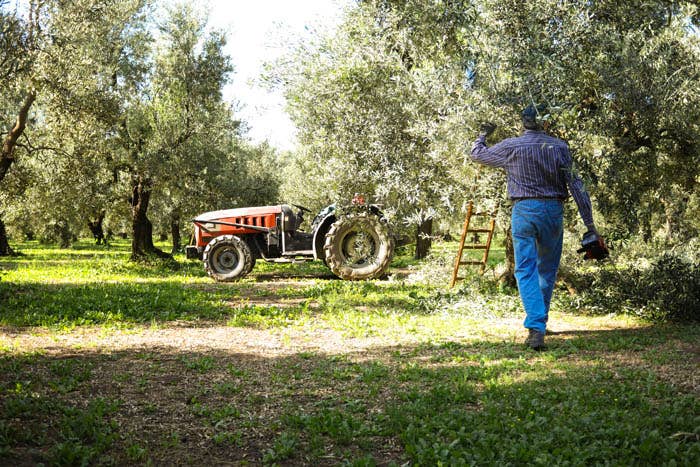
(473,246)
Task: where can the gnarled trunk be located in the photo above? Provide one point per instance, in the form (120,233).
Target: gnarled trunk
(97,229)
(7,157)
(424,238)
(142,229)
(65,237)
(5,249)
(175,232)
(508,275)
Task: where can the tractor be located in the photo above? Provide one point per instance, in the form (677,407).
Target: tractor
(354,241)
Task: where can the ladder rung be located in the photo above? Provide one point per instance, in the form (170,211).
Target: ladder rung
(474,246)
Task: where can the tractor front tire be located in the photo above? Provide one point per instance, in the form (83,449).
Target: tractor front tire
(227,258)
(358,246)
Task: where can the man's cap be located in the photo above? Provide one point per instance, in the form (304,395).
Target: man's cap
(531,112)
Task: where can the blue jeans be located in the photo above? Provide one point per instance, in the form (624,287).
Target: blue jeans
(538,233)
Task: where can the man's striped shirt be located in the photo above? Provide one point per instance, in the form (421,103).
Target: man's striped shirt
(537,166)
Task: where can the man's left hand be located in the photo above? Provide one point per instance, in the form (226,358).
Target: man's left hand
(487,128)
(593,246)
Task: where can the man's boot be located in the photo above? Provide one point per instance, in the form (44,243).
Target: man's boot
(535,339)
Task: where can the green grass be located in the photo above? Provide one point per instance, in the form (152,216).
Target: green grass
(88,285)
(329,373)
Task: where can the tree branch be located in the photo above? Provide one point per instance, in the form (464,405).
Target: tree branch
(8,146)
(32,149)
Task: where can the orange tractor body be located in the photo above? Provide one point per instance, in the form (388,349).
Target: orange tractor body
(234,222)
(354,242)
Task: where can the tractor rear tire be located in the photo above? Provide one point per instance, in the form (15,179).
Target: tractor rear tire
(359,246)
(227,258)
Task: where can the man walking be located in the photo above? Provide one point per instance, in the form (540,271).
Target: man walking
(540,178)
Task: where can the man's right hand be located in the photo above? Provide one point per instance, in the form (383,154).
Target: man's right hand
(487,128)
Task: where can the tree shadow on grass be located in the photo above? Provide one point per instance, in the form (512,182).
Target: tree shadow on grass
(483,402)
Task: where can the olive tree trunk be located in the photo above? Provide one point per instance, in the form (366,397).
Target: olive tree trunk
(175,232)
(5,249)
(97,229)
(142,229)
(62,230)
(7,157)
(508,276)
(424,235)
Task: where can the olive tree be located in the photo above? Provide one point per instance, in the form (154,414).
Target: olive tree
(175,116)
(130,113)
(57,55)
(376,105)
(18,38)
(622,80)
(392,101)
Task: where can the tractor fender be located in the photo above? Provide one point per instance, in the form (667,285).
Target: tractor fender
(320,235)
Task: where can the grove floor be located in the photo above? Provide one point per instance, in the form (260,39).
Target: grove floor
(298,368)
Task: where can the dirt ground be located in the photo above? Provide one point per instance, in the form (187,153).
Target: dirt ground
(173,381)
